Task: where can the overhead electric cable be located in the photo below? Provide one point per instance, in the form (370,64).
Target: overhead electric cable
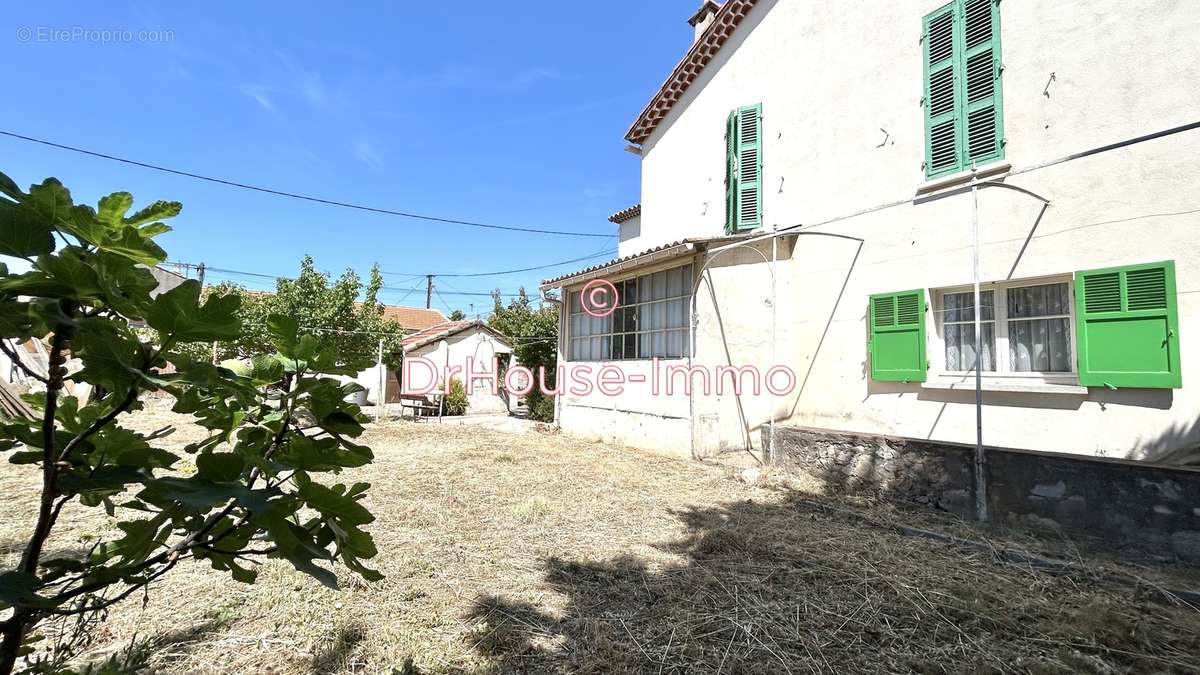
(294,195)
(262,275)
(523,269)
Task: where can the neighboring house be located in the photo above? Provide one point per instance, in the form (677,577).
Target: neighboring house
(451,344)
(413,319)
(807,178)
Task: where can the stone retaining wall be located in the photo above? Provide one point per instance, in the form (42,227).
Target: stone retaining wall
(1151,507)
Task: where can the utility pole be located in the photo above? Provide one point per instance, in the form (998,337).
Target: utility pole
(428,291)
(200,274)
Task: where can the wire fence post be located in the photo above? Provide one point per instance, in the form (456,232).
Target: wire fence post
(381,396)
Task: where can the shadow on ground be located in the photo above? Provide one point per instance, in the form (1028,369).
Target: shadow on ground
(788,586)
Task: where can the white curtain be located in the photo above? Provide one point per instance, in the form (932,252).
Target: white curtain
(1039,344)
(958,324)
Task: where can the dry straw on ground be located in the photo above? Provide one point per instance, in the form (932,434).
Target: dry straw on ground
(540,553)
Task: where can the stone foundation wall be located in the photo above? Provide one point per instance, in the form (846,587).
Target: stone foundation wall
(1151,507)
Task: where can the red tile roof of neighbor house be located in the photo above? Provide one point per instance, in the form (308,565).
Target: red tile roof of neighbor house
(701,53)
(625,214)
(413,318)
(445,330)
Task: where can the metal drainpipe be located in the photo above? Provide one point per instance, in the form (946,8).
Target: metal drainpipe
(981,508)
(981,504)
(770,449)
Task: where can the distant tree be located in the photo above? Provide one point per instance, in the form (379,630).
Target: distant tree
(457,315)
(328,308)
(534,332)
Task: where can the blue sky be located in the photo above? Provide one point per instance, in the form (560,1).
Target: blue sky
(510,113)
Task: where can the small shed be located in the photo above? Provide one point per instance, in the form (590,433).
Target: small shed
(451,344)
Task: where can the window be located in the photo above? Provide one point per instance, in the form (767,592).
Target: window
(743,169)
(1114,327)
(1039,329)
(959,323)
(1027,326)
(650,320)
(963,99)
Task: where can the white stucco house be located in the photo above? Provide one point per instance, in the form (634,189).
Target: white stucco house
(469,346)
(816,184)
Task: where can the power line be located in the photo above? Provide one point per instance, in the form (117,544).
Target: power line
(523,269)
(410,292)
(443,300)
(293,195)
(261,275)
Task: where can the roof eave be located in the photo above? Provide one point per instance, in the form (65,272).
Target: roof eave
(443,335)
(621,265)
(714,37)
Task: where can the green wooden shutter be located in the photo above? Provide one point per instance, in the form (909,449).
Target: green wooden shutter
(1127,327)
(731,172)
(898,336)
(943,136)
(749,167)
(964,117)
(980,72)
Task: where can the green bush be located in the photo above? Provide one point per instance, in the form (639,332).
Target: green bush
(541,407)
(456,401)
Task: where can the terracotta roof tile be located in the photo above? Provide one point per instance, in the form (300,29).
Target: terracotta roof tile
(444,330)
(413,318)
(702,51)
(625,214)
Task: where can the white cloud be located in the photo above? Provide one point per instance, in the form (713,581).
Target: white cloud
(368,154)
(260,95)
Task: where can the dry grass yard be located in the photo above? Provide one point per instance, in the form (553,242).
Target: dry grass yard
(528,552)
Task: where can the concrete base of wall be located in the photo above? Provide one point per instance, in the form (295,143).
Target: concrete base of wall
(647,431)
(1149,507)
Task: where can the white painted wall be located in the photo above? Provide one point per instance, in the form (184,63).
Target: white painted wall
(830,77)
(483,349)
(629,237)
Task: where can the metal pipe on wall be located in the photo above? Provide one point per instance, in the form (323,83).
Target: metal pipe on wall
(981,510)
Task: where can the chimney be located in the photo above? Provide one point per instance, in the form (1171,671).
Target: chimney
(703,18)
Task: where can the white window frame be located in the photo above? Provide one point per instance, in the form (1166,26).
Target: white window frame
(1000,311)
